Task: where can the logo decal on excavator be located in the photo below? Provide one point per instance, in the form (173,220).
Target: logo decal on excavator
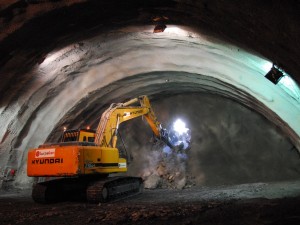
(126,114)
(89,165)
(45,153)
(122,165)
(47,161)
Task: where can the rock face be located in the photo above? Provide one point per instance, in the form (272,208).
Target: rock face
(245,147)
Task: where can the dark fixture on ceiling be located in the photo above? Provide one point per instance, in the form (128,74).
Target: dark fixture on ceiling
(274,75)
(159,28)
(160,22)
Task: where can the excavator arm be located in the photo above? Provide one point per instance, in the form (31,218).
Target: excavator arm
(107,130)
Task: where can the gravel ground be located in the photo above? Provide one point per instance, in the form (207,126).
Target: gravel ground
(259,203)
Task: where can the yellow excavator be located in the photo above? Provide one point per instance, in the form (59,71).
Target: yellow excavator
(86,160)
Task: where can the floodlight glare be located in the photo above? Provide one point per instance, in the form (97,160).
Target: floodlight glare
(179,126)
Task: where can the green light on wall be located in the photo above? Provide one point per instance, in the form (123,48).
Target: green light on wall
(267,66)
(290,86)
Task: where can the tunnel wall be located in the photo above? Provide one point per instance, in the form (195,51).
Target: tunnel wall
(71,75)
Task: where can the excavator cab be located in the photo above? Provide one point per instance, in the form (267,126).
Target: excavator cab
(78,135)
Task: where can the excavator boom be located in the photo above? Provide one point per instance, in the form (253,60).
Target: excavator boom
(106,133)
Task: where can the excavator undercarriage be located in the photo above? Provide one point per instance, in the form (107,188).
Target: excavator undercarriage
(91,189)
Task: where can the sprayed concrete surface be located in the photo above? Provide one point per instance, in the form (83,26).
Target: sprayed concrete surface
(256,203)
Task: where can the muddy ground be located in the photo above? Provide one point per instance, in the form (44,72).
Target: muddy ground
(260,203)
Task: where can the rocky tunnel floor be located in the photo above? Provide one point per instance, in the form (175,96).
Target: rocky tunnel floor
(258,203)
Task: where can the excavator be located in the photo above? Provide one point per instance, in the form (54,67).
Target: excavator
(88,163)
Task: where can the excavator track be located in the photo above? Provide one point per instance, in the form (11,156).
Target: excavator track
(47,192)
(39,193)
(94,190)
(114,189)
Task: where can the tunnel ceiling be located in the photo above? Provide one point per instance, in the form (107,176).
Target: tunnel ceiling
(272,29)
(63,62)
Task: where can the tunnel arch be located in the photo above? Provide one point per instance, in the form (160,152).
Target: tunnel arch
(158,85)
(83,71)
(66,68)
(203,56)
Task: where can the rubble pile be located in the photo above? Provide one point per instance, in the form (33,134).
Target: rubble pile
(168,171)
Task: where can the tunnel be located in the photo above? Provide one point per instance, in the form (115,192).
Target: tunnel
(205,62)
